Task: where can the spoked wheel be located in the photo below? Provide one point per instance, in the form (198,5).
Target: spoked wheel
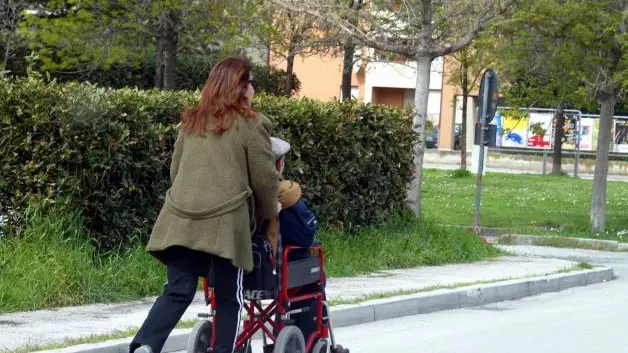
(290,340)
(200,338)
(320,346)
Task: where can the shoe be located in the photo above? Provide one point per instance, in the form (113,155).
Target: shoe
(143,349)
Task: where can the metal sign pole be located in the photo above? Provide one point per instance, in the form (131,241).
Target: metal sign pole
(577,141)
(478,190)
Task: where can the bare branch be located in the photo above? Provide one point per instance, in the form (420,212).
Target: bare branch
(330,15)
(483,18)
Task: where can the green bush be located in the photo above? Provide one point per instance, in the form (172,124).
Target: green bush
(108,152)
(354,160)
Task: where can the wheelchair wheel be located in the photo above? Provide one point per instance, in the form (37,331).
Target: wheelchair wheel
(200,338)
(245,349)
(339,349)
(320,346)
(290,340)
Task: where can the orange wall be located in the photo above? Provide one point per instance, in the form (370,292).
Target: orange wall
(321,77)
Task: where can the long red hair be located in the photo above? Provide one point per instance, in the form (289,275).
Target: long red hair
(222,98)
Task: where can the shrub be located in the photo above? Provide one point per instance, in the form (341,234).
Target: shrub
(98,148)
(192,72)
(108,152)
(354,160)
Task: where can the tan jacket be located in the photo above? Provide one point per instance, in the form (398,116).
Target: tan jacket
(222,185)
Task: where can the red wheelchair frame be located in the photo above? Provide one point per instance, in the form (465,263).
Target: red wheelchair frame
(272,319)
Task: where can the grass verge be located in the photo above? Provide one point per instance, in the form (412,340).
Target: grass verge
(404,242)
(130,332)
(52,263)
(524,203)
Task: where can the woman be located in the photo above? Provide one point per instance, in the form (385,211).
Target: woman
(224,182)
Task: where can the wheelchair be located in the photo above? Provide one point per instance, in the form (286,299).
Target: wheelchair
(274,320)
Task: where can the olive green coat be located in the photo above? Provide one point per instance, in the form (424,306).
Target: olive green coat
(221,186)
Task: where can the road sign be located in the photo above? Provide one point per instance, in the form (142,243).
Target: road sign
(488,106)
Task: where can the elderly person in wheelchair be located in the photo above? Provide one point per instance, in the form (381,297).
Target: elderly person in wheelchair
(289,272)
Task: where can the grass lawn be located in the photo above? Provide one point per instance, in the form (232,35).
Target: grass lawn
(52,264)
(535,204)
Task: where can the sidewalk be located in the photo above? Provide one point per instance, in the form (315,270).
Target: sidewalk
(56,325)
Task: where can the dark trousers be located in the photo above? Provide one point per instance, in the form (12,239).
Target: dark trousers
(177,297)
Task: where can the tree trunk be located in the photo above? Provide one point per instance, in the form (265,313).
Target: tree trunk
(558,140)
(463,130)
(171,38)
(349,52)
(598,196)
(7,54)
(421,96)
(347,69)
(287,88)
(12,13)
(170,64)
(159,62)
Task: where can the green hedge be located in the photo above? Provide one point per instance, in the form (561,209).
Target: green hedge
(192,71)
(108,152)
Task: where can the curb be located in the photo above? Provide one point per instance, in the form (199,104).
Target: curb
(592,244)
(405,305)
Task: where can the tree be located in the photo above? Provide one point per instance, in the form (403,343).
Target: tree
(10,18)
(577,49)
(602,41)
(296,34)
(468,65)
(349,50)
(99,33)
(535,57)
(421,30)
(89,33)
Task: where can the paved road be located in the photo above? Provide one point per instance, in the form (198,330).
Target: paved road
(581,320)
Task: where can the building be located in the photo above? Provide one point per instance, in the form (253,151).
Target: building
(383,81)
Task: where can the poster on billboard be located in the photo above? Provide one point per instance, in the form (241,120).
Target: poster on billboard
(620,136)
(569,132)
(540,130)
(588,133)
(514,131)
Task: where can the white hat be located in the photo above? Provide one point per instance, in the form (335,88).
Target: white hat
(280,147)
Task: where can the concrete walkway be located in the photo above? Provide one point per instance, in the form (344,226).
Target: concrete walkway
(52,326)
